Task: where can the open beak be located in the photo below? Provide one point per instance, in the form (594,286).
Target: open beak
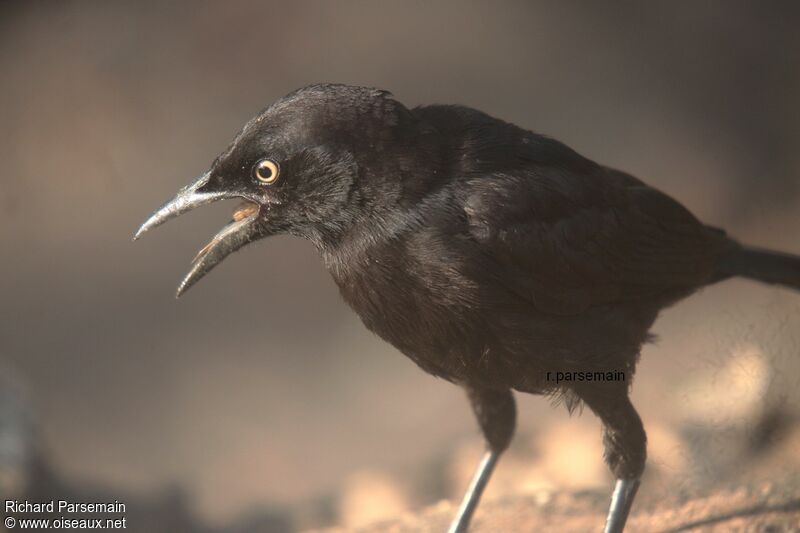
(244,229)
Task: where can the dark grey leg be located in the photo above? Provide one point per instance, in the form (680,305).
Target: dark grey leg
(621,501)
(497,414)
(473,495)
(626,447)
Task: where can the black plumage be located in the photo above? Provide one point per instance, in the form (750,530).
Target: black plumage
(489,255)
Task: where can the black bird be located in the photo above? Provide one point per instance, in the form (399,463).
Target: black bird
(492,256)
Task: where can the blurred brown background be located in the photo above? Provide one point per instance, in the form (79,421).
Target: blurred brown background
(275,408)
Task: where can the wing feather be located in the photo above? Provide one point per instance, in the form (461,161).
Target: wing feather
(570,240)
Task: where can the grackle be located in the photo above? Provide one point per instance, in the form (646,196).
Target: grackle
(492,256)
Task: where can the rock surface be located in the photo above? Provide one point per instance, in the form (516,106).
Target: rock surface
(765,507)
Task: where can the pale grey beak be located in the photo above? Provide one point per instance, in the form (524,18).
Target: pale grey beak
(231,238)
(187,199)
(228,240)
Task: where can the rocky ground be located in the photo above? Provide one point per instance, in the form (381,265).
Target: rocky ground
(739,473)
(762,507)
(762,495)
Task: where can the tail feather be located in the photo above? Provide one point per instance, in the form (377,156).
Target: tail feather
(763,265)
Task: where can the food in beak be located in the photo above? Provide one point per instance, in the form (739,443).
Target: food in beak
(231,238)
(245,210)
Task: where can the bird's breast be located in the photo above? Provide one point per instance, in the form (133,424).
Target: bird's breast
(428,309)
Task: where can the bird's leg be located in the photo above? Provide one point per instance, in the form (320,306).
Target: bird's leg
(496,413)
(621,501)
(625,448)
(473,495)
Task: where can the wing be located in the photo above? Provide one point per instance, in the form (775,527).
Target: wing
(569,238)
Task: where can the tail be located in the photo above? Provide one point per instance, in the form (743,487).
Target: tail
(762,265)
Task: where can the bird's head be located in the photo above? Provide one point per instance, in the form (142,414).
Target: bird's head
(296,168)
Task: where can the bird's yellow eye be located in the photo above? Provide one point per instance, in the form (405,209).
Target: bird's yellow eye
(267,171)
